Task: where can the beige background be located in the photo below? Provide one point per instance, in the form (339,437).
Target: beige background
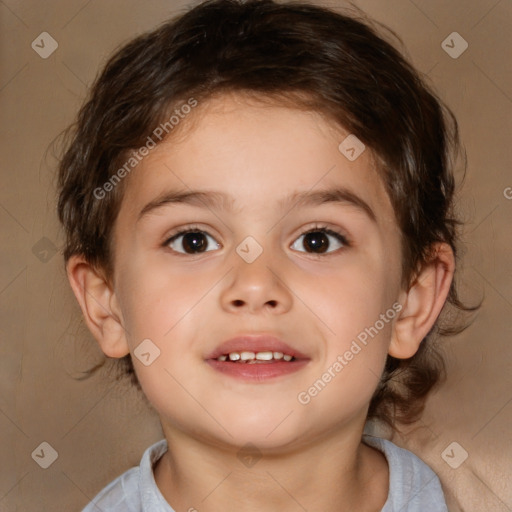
(99,430)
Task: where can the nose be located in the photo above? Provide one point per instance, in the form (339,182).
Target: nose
(257,287)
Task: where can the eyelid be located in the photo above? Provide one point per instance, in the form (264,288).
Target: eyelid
(328,229)
(192,228)
(325,228)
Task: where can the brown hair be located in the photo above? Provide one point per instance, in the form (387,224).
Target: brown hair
(298,53)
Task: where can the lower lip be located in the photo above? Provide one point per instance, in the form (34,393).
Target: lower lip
(257,371)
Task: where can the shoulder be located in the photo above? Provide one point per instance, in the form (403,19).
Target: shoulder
(121,494)
(413,486)
(135,490)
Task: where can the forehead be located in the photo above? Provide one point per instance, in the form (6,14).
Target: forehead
(259,155)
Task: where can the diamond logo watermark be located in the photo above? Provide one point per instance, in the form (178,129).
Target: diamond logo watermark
(44,45)
(45,455)
(44,250)
(454,45)
(249,249)
(351,147)
(454,455)
(146,352)
(249,455)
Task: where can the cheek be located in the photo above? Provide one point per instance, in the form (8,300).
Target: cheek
(156,296)
(357,337)
(351,297)
(354,305)
(162,307)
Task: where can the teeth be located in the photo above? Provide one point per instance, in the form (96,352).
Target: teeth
(264,356)
(255,356)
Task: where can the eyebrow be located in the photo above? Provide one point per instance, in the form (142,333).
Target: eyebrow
(222,201)
(201,199)
(339,195)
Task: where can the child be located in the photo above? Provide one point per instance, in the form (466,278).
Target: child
(258,204)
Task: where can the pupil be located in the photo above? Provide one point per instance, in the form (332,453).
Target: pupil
(194,242)
(316,241)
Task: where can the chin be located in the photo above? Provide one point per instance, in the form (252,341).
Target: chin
(266,428)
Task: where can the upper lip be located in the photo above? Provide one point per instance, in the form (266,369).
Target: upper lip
(255,343)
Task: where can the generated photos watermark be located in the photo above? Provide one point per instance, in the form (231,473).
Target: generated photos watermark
(158,134)
(342,360)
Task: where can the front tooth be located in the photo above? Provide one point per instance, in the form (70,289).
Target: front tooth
(278,355)
(286,357)
(264,356)
(222,358)
(234,356)
(246,356)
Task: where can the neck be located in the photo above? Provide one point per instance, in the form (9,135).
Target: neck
(334,473)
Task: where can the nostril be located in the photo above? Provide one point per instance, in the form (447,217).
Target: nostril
(239,303)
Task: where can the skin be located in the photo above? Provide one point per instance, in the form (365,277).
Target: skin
(187,304)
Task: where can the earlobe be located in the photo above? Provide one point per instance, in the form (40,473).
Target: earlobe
(99,306)
(423,303)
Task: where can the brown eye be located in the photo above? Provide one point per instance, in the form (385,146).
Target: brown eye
(316,242)
(319,241)
(192,242)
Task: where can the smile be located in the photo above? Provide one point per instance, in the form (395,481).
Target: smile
(257,369)
(255,357)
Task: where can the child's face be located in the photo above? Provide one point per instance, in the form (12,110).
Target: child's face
(316,302)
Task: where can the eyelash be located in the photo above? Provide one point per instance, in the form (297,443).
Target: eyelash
(317,228)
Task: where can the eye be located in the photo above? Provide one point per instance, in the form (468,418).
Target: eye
(192,241)
(318,241)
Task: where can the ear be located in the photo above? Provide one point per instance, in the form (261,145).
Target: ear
(99,306)
(423,303)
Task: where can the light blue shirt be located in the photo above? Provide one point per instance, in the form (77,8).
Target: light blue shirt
(413,486)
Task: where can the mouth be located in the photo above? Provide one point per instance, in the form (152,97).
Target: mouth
(256,357)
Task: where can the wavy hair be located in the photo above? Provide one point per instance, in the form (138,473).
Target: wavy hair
(297,54)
